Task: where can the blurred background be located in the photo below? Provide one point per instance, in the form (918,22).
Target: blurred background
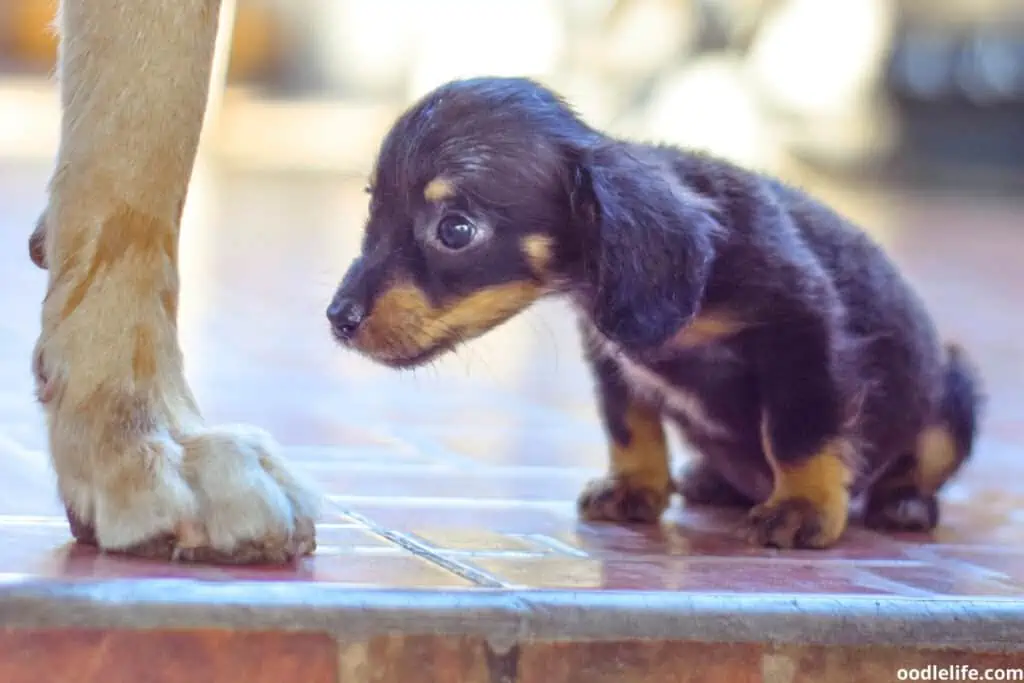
(923,88)
(908,115)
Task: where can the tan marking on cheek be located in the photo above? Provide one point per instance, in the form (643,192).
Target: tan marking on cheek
(396,315)
(404,322)
(707,328)
(937,457)
(438,190)
(538,250)
(487,308)
(126,232)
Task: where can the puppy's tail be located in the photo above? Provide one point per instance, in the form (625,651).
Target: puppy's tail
(959,414)
(962,402)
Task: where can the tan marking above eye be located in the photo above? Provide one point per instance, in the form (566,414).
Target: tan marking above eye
(438,190)
(538,251)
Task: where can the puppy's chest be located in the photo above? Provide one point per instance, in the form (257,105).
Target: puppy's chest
(709,390)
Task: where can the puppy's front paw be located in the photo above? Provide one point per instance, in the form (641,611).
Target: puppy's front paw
(619,499)
(797,523)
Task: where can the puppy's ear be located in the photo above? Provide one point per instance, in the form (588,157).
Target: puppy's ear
(653,244)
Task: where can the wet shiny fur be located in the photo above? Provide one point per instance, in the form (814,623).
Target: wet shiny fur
(776,336)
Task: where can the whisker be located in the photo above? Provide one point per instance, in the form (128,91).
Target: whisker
(473,353)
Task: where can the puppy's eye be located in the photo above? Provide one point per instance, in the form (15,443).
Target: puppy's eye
(456,232)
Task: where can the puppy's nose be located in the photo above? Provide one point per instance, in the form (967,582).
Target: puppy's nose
(346,315)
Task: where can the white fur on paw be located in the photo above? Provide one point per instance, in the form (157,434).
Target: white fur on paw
(219,495)
(146,498)
(246,492)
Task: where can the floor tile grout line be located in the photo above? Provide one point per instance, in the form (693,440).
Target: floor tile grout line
(931,556)
(865,577)
(552,504)
(423,551)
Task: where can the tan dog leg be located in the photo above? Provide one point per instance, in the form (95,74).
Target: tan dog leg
(136,466)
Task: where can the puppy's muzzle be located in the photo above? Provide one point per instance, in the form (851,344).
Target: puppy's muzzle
(345,315)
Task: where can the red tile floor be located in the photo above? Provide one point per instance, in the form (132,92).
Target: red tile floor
(450,551)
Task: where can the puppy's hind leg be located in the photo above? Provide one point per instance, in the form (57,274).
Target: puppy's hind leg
(905,498)
(136,466)
(802,436)
(701,484)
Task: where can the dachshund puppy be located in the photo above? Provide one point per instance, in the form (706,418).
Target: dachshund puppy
(776,336)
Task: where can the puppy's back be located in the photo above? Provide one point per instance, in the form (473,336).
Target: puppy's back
(893,350)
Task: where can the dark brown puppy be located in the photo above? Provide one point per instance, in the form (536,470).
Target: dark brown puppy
(779,338)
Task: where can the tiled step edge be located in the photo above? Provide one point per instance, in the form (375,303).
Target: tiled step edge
(503,618)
